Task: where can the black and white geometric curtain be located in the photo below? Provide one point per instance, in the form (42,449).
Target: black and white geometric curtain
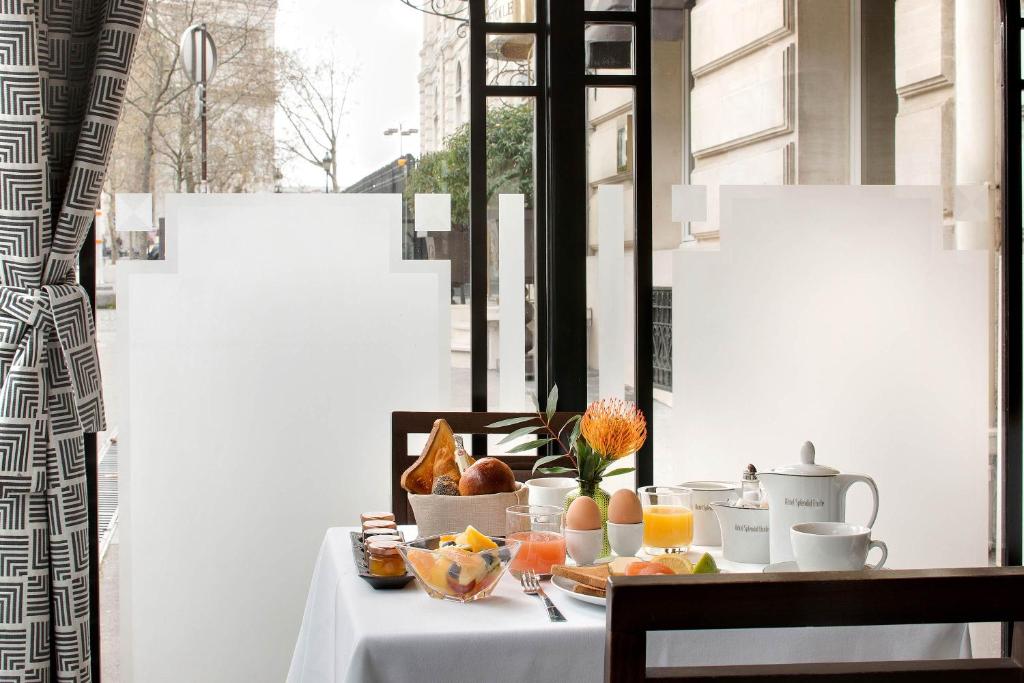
(63,71)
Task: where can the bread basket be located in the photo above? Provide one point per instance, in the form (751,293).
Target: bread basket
(446,514)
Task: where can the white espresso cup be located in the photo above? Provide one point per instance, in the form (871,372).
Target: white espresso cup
(833,546)
(550,490)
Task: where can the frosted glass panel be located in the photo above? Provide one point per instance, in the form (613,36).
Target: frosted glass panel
(612,288)
(260,368)
(433,212)
(512,304)
(134,211)
(833,314)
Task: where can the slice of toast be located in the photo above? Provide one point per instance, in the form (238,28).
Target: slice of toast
(583,589)
(593,577)
(419,478)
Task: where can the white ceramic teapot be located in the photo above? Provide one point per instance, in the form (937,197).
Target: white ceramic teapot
(807,492)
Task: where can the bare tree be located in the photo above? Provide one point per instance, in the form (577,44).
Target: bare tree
(313,100)
(156,146)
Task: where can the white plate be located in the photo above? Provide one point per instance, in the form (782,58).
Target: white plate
(565,585)
(781,567)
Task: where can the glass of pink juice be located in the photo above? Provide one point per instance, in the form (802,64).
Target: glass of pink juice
(538,528)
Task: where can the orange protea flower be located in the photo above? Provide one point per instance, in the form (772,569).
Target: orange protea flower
(614,428)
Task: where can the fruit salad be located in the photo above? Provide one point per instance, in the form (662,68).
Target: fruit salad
(460,567)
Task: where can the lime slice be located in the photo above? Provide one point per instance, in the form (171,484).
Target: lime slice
(705,565)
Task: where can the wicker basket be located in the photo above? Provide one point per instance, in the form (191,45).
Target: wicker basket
(449,514)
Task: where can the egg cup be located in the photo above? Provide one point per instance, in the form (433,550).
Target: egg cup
(584,546)
(626,539)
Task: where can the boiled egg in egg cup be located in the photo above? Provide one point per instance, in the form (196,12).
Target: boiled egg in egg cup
(583,534)
(625,523)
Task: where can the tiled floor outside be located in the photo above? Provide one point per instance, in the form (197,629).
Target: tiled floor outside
(110,616)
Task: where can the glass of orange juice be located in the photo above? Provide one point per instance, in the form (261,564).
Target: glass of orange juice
(538,528)
(668,518)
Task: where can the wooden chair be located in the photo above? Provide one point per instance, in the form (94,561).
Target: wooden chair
(940,596)
(404,423)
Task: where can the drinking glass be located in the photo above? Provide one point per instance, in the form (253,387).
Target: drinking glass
(668,518)
(538,528)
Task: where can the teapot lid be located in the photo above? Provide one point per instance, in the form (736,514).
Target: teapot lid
(807,467)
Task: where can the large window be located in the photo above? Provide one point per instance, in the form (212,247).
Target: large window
(765,221)
(828,224)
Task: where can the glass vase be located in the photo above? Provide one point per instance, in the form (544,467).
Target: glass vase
(592,489)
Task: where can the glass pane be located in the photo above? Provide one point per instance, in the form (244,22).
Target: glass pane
(610,258)
(609,48)
(510,59)
(335,237)
(512,294)
(609,5)
(514,11)
(817,185)
(442,167)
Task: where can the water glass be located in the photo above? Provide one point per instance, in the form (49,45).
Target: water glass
(538,528)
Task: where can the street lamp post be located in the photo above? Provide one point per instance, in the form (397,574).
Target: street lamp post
(401,133)
(199,62)
(326,163)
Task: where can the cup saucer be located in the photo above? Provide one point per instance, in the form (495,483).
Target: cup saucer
(779,567)
(787,567)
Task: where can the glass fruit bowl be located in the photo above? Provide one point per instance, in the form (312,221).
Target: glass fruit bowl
(455,572)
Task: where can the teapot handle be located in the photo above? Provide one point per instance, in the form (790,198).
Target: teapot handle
(845,482)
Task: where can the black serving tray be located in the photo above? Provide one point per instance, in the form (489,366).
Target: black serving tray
(378,582)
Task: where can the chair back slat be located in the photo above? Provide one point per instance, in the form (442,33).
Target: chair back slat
(929,671)
(404,423)
(636,605)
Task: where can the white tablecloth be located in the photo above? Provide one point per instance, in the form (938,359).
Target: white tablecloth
(353,633)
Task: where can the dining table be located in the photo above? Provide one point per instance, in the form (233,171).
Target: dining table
(352,632)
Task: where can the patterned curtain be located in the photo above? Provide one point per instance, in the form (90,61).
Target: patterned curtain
(63,71)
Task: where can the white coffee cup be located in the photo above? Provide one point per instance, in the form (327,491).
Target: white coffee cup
(550,490)
(706,530)
(833,546)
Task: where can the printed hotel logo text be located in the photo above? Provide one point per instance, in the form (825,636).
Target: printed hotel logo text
(805,502)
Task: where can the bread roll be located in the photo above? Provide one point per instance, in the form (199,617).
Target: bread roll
(487,475)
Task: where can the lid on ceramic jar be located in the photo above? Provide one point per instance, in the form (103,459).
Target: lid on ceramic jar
(382,548)
(807,467)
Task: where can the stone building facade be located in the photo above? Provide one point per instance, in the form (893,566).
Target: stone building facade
(443,80)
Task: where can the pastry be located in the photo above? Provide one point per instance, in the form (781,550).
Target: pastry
(419,478)
(487,475)
(444,486)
